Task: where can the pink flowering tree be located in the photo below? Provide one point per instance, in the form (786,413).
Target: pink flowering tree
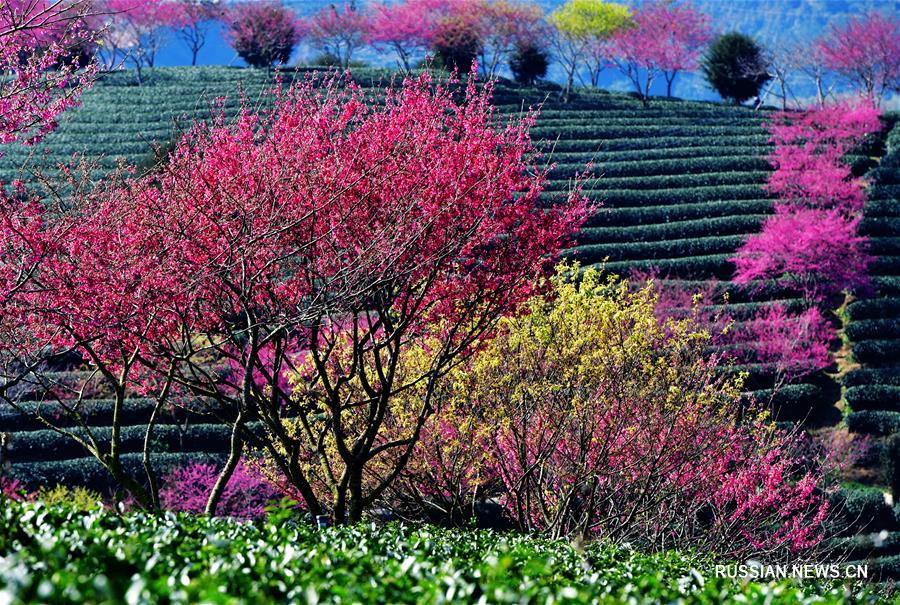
(79,285)
(263,33)
(41,72)
(137,29)
(796,345)
(815,252)
(808,156)
(811,243)
(334,257)
(663,39)
(339,31)
(193,21)
(866,52)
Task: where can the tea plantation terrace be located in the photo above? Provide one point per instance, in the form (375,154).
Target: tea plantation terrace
(680,186)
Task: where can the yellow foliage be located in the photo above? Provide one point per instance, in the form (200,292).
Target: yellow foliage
(590,19)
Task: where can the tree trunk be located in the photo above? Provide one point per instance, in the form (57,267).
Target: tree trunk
(234,456)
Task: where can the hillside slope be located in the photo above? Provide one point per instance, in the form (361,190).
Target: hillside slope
(680,183)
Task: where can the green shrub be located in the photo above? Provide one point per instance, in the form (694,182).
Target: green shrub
(885,376)
(862,509)
(874,422)
(877,351)
(874,397)
(64,557)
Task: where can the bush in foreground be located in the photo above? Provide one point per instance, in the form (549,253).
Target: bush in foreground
(62,556)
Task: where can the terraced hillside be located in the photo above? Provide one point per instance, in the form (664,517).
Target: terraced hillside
(680,185)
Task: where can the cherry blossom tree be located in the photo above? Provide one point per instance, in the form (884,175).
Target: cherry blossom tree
(40,75)
(339,31)
(193,21)
(81,285)
(866,52)
(263,33)
(795,344)
(317,268)
(664,38)
(816,252)
(809,148)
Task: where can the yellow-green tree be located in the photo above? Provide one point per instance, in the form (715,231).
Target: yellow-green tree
(582,30)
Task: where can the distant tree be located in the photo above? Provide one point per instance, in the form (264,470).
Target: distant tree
(263,33)
(407,27)
(506,27)
(39,75)
(812,63)
(583,29)
(338,31)
(735,66)
(457,42)
(529,64)
(138,28)
(866,52)
(663,39)
(192,23)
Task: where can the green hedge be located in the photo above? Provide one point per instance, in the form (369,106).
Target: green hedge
(95,412)
(874,422)
(707,227)
(859,510)
(88,472)
(716,209)
(873,329)
(874,397)
(677,166)
(667,249)
(877,351)
(666,182)
(42,446)
(790,401)
(628,143)
(697,267)
(876,376)
(876,308)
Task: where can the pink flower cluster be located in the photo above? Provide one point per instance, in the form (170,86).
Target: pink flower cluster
(246,496)
(634,471)
(811,243)
(40,74)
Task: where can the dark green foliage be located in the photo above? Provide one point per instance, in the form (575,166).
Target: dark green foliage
(892,465)
(46,445)
(790,402)
(875,308)
(886,376)
(877,351)
(87,472)
(735,66)
(874,422)
(862,509)
(874,397)
(529,64)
